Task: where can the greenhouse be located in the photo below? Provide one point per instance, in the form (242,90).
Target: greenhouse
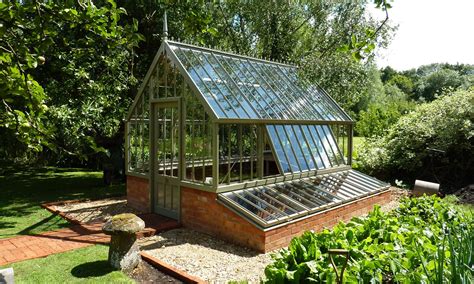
(221,134)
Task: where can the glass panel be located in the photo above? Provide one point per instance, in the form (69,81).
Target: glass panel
(318,99)
(287,190)
(229,86)
(320,145)
(266,95)
(302,147)
(297,104)
(285,156)
(247,85)
(332,141)
(218,104)
(279,202)
(198,140)
(262,193)
(277,97)
(253,208)
(328,143)
(282,198)
(276,212)
(313,146)
(294,145)
(216,85)
(246,88)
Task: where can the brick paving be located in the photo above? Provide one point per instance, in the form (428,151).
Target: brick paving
(77,236)
(27,247)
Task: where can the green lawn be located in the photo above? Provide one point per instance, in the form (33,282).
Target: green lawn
(85,265)
(22,192)
(356,144)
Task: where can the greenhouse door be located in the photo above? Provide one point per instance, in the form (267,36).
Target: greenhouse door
(166,187)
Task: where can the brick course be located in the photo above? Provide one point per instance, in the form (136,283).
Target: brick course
(200,211)
(138,193)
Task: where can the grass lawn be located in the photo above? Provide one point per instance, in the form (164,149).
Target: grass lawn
(22,192)
(85,265)
(356,143)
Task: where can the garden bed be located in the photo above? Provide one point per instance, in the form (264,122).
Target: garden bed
(146,273)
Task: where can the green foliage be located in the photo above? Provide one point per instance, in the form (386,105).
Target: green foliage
(383,112)
(65,73)
(68,69)
(404,83)
(377,119)
(433,84)
(404,152)
(431,81)
(425,240)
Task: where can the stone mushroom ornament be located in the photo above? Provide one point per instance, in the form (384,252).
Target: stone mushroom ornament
(124,253)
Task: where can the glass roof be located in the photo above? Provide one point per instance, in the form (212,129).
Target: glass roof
(238,87)
(304,147)
(270,205)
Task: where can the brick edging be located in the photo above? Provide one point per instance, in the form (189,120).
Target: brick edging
(72,201)
(50,207)
(168,269)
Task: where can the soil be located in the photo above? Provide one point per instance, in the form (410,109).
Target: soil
(146,273)
(466,194)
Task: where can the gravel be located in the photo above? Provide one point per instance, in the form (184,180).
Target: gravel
(397,194)
(97,210)
(217,261)
(208,258)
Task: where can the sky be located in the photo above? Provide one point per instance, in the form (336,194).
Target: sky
(430,31)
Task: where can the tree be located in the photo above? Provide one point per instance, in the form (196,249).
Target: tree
(404,83)
(320,37)
(64,71)
(432,85)
(70,69)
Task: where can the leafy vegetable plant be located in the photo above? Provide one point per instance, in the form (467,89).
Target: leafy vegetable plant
(425,240)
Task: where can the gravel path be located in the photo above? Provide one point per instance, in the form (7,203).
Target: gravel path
(216,261)
(397,194)
(97,210)
(200,255)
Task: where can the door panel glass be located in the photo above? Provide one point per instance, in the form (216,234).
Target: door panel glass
(166,145)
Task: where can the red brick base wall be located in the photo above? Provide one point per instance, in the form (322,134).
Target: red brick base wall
(200,211)
(138,193)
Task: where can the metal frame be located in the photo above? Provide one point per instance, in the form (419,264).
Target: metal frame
(260,68)
(168,181)
(255,108)
(304,197)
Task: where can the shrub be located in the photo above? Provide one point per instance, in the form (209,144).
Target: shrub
(384,111)
(445,124)
(425,240)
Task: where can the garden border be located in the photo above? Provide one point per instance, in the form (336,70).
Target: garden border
(147,232)
(171,270)
(49,206)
